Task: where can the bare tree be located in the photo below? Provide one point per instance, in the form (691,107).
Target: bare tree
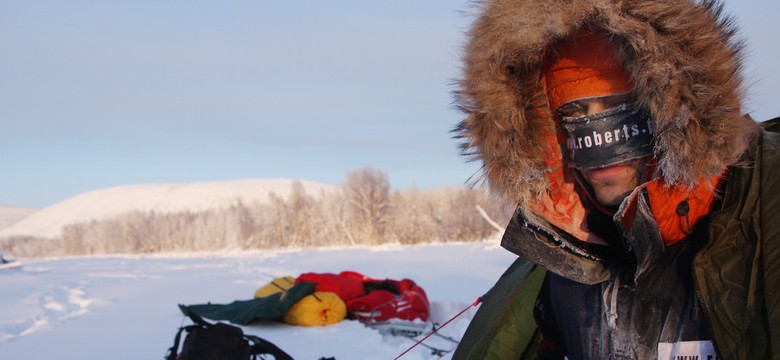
(367,193)
(363,211)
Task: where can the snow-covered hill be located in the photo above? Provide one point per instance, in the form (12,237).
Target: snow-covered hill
(163,198)
(10,215)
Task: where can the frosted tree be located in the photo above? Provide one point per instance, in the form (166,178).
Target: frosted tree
(367,193)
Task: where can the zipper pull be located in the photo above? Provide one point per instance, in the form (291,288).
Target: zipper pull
(696,310)
(683,208)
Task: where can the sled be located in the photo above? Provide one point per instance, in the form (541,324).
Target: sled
(8,262)
(397,327)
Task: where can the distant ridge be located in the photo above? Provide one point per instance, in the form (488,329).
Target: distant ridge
(10,215)
(163,198)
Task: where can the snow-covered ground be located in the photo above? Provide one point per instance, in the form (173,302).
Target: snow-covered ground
(125,307)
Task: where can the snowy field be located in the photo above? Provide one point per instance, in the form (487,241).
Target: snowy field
(125,307)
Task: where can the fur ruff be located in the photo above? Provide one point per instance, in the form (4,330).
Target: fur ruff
(682,56)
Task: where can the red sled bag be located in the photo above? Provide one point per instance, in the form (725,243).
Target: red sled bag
(346,287)
(390,299)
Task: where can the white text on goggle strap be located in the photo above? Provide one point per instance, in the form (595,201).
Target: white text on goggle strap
(607,137)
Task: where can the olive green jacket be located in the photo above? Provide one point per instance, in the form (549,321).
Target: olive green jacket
(737,273)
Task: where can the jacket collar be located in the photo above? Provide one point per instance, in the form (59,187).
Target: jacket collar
(648,221)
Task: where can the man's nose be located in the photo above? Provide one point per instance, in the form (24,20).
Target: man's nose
(595,106)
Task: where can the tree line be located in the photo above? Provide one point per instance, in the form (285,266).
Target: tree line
(362,211)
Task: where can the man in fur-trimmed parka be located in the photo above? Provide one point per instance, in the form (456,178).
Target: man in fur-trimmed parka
(648,218)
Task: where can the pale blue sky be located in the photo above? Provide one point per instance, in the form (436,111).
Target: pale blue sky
(96,94)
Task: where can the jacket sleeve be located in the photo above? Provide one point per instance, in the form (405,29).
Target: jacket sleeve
(504,327)
(770,235)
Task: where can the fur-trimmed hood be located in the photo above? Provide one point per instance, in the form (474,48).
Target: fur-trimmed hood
(682,56)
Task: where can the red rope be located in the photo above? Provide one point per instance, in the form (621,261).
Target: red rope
(437,329)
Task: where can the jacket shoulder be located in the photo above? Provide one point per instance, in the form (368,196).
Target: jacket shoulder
(772,125)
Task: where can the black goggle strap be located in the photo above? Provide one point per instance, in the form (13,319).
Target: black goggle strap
(608,138)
